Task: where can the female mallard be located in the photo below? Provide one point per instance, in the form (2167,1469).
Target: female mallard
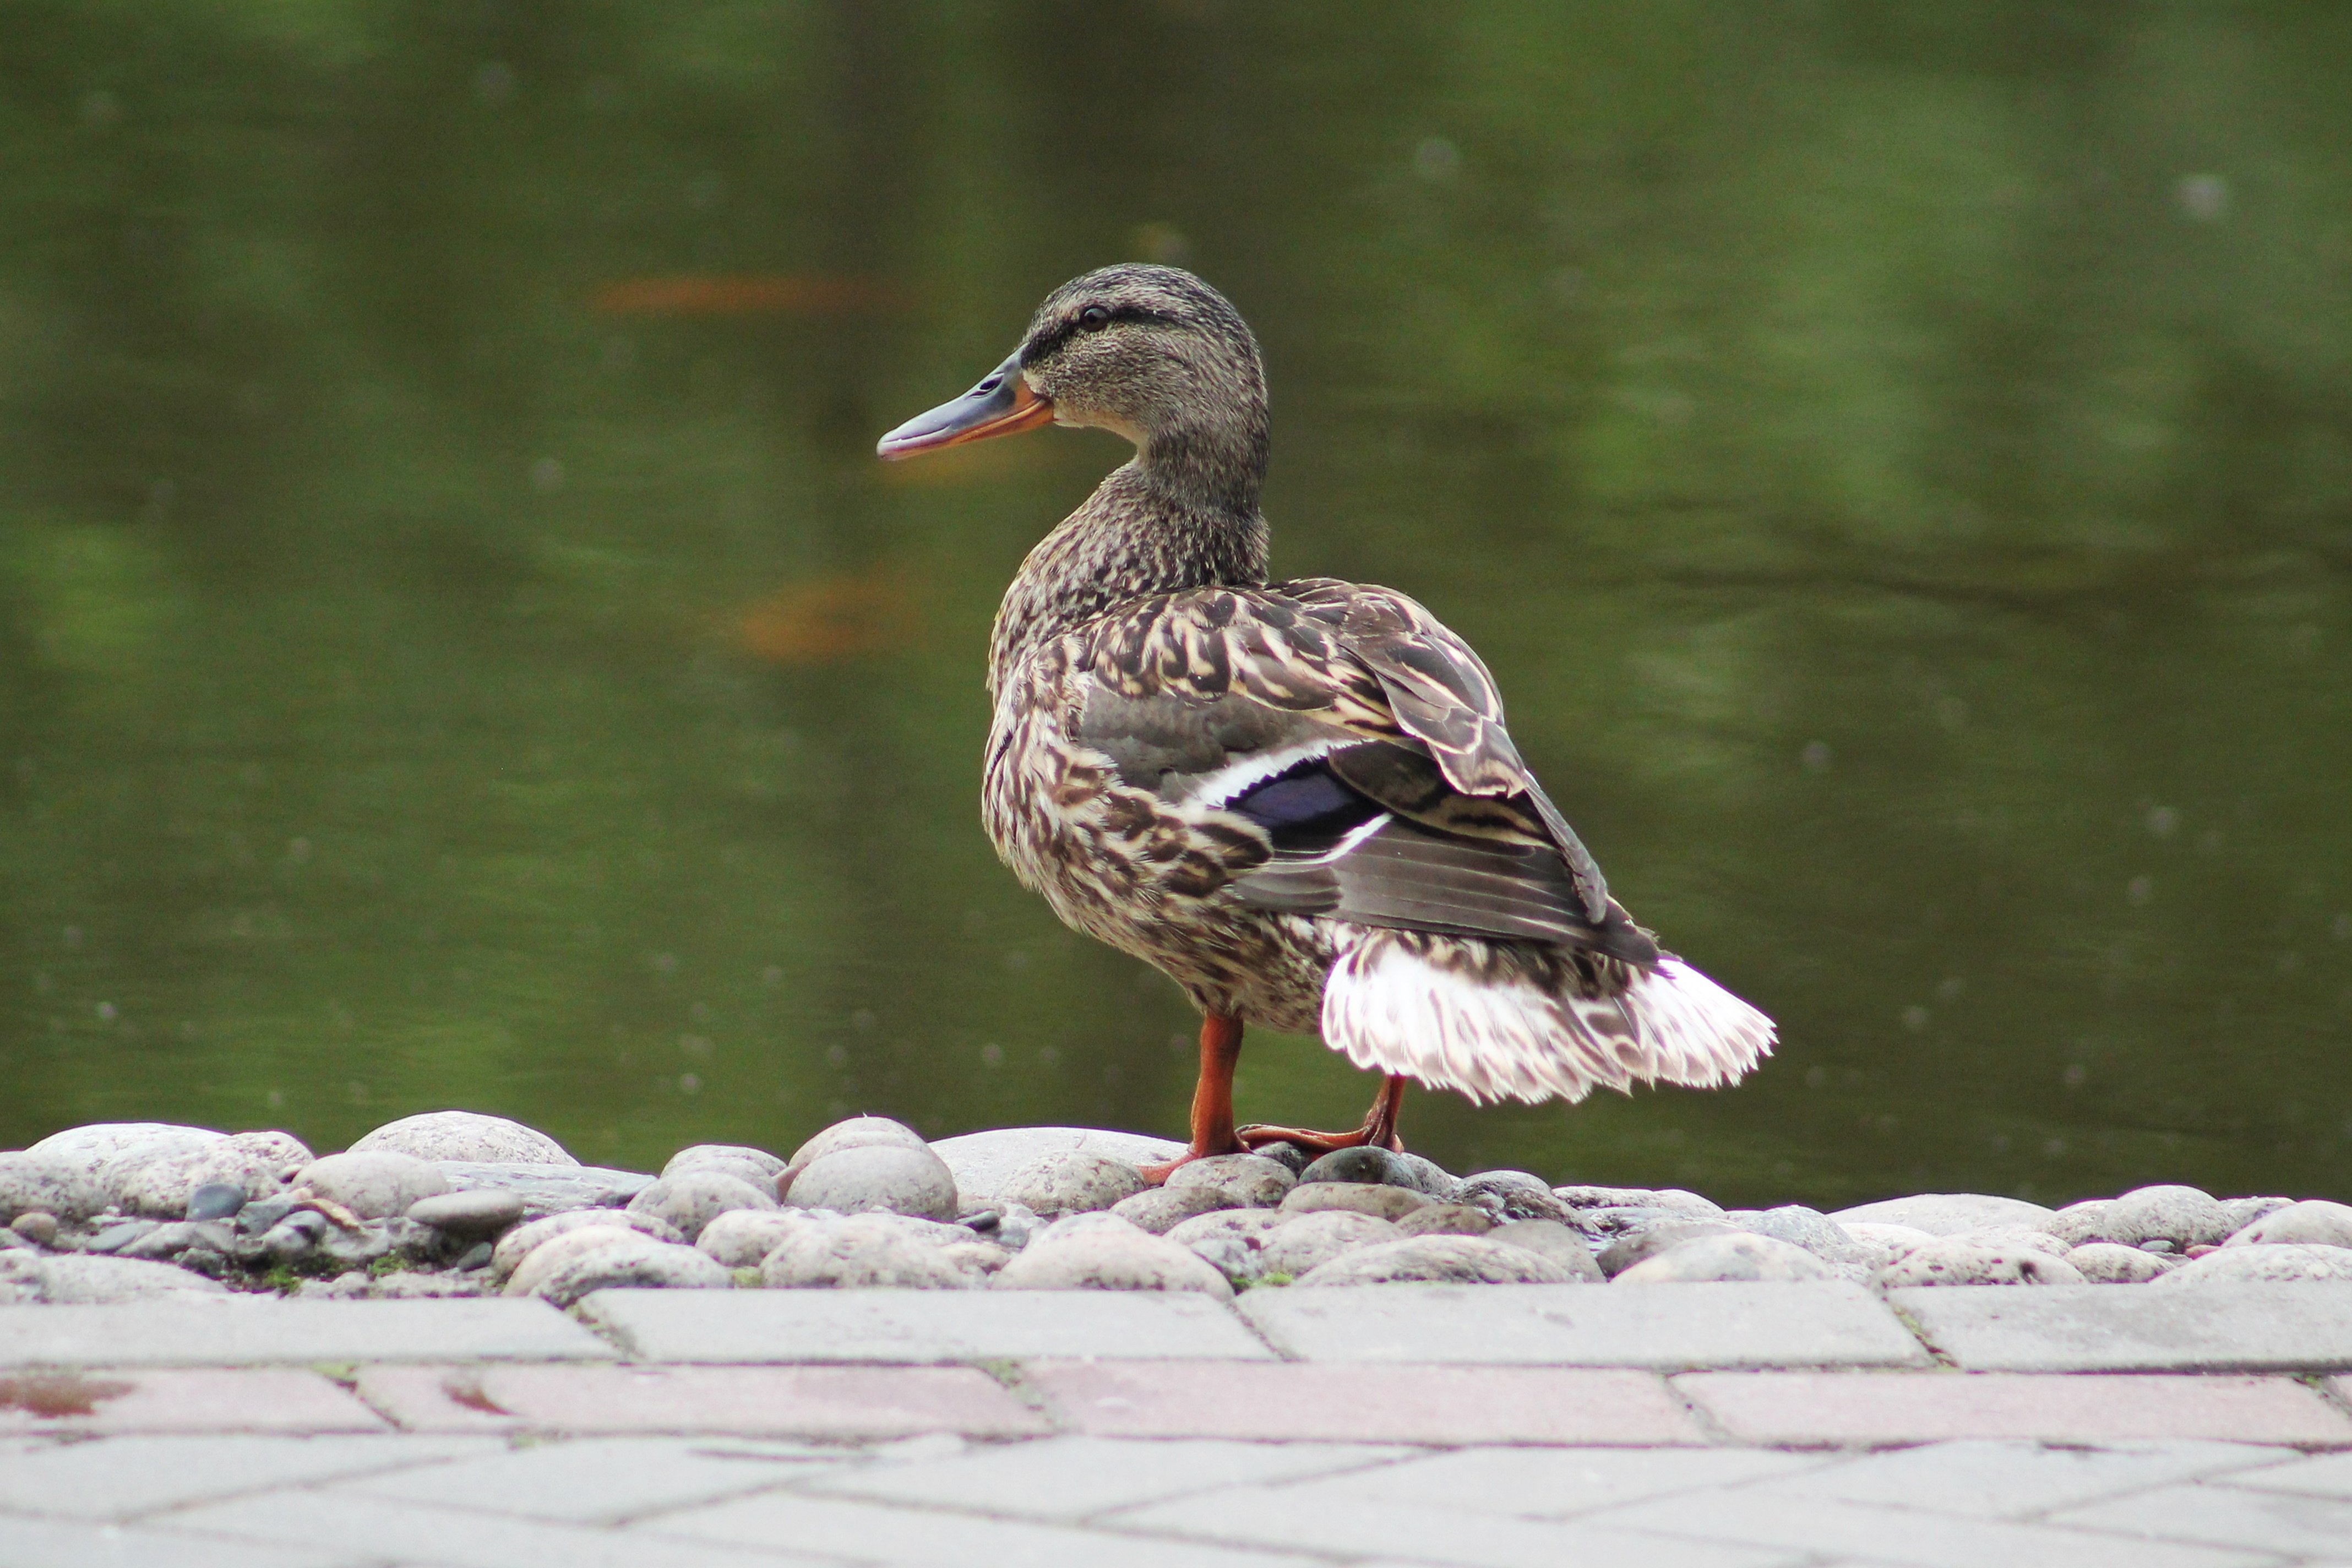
(1296,799)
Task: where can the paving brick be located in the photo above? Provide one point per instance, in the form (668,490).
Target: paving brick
(751,1326)
(123,1477)
(1863,1408)
(1667,1327)
(434,1399)
(2101,1328)
(2228,1516)
(458,1538)
(1073,1477)
(1414,1532)
(1925,1540)
(1555,1483)
(246,1330)
(2012,1479)
(1344,1404)
(256,1399)
(755,1400)
(2322,1475)
(936,1539)
(598,1480)
(58,1543)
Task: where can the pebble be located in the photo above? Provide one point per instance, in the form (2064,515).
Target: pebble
(2243,1212)
(633,1262)
(700,1156)
(982,1161)
(372,1184)
(1161,1209)
(739,1238)
(258,1215)
(2314,1222)
(864,1252)
(857,1132)
(65,1279)
(2011,1237)
(1564,1245)
(548,1189)
(482,1213)
(1382,1167)
(520,1242)
(465,1135)
(1109,1255)
(900,1179)
(1073,1181)
(2279,1262)
(1243,1181)
(2184,1216)
(88,1149)
(475,1257)
(1801,1227)
(114,1238)
(172,1240)
(2079,1225)
(35,1227)
(1514,1194)
(2107,1263)
(1673,1200)
(1947,1260)
(216,1200)
(33,1182)
(1739,1255)
(690,1202)
(1438,1259)
(354,1247)
(552,1253)
(1448,1220)
(1876,1246)
(1238,1258)
(1292,1157)
(1313,1239)
(1250,1224)
(1636,1248)
(1378,1200)
(152,1176)
(1945,1214)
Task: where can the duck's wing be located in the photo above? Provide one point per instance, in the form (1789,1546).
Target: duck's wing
(1364,739)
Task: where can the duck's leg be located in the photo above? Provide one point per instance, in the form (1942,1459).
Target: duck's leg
(1212,1096)
(1379,1130)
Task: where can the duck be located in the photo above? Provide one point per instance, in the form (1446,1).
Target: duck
(1296,799)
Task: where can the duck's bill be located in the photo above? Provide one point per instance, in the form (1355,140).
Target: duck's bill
(1002,404)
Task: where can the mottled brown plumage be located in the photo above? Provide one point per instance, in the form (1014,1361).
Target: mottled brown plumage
(1297,799)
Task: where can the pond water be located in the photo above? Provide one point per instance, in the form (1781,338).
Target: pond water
(458,648)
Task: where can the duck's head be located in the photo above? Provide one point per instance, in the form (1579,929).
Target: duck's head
(1150,352)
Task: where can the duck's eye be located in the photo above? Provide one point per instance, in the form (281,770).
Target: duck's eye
(1093,318)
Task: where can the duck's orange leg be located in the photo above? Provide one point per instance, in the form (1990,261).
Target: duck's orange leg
(1212,1096)
(1379,1130)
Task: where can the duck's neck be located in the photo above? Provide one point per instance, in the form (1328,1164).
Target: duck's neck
(1180,516)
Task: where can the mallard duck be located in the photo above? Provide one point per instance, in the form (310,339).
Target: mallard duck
(1296,799)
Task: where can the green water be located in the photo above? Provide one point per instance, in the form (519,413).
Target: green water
(456,647)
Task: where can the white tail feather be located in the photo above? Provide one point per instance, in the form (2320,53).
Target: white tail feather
(1494,1038)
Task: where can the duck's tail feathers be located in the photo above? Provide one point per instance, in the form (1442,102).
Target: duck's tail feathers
(1496,1021)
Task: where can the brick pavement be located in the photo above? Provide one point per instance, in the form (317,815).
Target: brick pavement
(1714,1425)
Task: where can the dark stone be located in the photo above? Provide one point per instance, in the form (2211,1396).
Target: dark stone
(1376,1167)
(1514,1194)
(115,1238)
(1641,1246)
(476,1257)
(216,1200)
(259,1214)
(1290,1156)
(985,1221)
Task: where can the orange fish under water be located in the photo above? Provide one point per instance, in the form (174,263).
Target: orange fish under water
(830,618)
(690,294)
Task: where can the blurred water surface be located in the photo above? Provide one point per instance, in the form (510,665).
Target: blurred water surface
(458,648)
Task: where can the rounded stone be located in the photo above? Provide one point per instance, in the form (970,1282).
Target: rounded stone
(2079,1225)
(35,1227)
(1311,1240)
(725,1157)
(33,1183)
(1948,1261)
(520,1242)
(465,1135)
(1514,1194)
(2243,1212)
(552,1253)
(1251,1224)
(1383,1167)
(1377,1199)
(88,1149)
(2278,1262)
(153,1177)
(865,1252)
(1438,1259)
(2010,1238)
(1073,1181)
(857,1132)
(65,1279)
(981,1258)
(1292,1157)
(2184,1216)
(1240,1259)
(1161,1209)
(693,1200)
(739,1238)
(375,1184)
(1945,1214)
(1448,1220)
(1110,1254)
(1800,1227)
(634,1263)
(1564,1245)
(1876,1246)
(159,1180)
(983,1161)
(901,1180)
(1673,1200)
(2314,1222)
(482,1211)
(1243,1181)
(216,1200)
(1635,1248)
(2107,1263)
(1742,1254)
